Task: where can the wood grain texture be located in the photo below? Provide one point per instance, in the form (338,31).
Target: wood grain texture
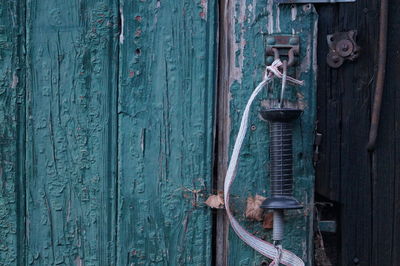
(12,96)
(165,110)
(385,161)
(246,24)
(366,186)
(71,132)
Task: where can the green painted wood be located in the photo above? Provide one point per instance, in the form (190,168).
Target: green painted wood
(247,23)
(71,132)
(166,105)
(11,133)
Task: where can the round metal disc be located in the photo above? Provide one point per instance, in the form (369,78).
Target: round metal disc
(334,60)
(344,48)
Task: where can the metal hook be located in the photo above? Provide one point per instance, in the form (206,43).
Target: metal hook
(284,79)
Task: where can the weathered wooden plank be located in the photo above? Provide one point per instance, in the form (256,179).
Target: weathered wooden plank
(393,84)
(246,23)
(345,169)
(353,83)
(328,110)
(221,225)
(166,106)
(385,160)
(71,132)
(12,203)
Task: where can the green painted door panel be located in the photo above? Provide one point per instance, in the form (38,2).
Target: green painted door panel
(246,25)
(108,117)
(106,152)
(12,209)
(165,131)
(72,63)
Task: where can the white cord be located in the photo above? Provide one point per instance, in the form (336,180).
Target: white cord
(263,247)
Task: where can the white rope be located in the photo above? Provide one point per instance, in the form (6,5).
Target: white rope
(267,249)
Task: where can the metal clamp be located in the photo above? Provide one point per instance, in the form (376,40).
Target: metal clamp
(283,46)
(342,47)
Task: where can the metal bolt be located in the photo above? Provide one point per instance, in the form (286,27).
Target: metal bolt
(294,41)
(345,47)
(270,60)
(356,260)
(270,40)
(335,58)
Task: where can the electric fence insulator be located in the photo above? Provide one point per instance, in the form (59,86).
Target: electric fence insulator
(281,158)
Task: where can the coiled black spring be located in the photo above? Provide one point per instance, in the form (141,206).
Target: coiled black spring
(281,159)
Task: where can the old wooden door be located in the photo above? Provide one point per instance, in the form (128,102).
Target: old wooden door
(361,187)
(117,119)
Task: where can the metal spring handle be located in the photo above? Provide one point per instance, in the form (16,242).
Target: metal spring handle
(281,156)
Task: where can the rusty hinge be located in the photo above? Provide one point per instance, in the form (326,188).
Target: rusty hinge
(342,46)
(317,144)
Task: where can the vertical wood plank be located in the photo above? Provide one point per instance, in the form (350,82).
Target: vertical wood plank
(345,170)
(393,70)
(246,25)
(166,106)
(221,225)
(71,132)
(385,171)
(12,97)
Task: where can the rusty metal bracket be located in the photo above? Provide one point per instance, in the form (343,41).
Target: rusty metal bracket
(278,46)
(342,46)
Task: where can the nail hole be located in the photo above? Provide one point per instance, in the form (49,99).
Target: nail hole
(137,51)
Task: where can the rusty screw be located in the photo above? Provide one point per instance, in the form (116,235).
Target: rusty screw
(270,40)
(335,58)
(345,47)
(294,41)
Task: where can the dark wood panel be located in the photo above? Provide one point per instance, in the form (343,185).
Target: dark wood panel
(385,161)
(365,185)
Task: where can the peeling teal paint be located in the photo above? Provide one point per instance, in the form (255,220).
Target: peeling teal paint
(166,108)
(106,152)
(72,58)
(11,160)
(111,143)
(251,22)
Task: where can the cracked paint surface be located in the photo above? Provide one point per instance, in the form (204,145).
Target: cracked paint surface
(71,132)
(250,22)
(167,78)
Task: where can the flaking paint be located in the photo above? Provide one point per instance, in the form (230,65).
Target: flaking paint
(253,165)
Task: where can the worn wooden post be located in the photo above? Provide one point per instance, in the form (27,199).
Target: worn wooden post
(165,132)
(244,27)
